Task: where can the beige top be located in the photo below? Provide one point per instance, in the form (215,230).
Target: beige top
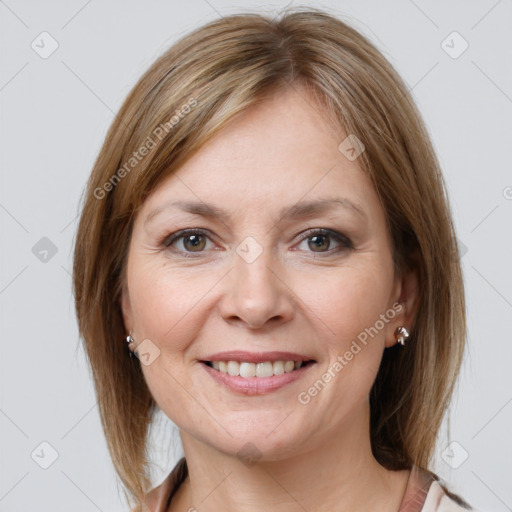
(424,492)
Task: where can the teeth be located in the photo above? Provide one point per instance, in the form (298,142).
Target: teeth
(265,369)
(233,368)
(247,370)
(278,367)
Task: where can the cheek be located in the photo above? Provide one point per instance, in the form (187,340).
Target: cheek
(167,303)
(349,307)
(168,307)
(350,300)
(350,303)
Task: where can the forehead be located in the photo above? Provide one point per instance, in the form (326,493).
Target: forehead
(281,151)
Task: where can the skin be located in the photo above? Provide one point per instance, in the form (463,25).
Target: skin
(297,296)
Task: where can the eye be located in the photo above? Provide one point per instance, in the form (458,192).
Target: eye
(195,241)
(319,240)
(192,241)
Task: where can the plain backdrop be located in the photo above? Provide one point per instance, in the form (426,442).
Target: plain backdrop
(55,110)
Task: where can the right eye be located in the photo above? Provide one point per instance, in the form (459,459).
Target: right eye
(192,240)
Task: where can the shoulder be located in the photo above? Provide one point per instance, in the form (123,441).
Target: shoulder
(159,498)
(438,500)
(156,499)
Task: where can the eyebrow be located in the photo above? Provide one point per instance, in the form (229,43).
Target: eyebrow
(297,211)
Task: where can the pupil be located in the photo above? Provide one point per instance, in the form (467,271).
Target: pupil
(316,237)
(196,240)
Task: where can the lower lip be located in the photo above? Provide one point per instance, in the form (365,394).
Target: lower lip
(256,385)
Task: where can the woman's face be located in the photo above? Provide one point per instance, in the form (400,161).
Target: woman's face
(257,282)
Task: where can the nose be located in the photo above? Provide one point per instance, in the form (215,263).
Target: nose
(256,294)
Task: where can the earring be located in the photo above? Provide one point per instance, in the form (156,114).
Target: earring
(130,340)
(401,334)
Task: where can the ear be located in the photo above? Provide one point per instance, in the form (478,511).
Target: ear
(126,308)
(406,293)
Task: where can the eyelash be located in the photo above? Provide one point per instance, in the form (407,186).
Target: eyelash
(345,242)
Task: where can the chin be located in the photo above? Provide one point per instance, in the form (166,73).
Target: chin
(260,444)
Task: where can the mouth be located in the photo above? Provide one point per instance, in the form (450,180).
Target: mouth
(260,370)
(256,373)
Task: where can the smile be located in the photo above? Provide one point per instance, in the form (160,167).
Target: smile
(259,370)
(256,373)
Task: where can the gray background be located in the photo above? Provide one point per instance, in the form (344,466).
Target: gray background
(54,115)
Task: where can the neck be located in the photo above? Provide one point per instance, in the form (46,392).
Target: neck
(337,472)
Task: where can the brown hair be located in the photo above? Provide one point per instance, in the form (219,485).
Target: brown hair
(199,84)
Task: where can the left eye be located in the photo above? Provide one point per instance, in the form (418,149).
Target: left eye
(320,239)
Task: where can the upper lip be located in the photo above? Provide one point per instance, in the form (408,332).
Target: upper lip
(256,357)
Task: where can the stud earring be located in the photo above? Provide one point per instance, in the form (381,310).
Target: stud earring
(129,340)
(401,334)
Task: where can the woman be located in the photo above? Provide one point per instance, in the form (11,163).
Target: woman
(266,228)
